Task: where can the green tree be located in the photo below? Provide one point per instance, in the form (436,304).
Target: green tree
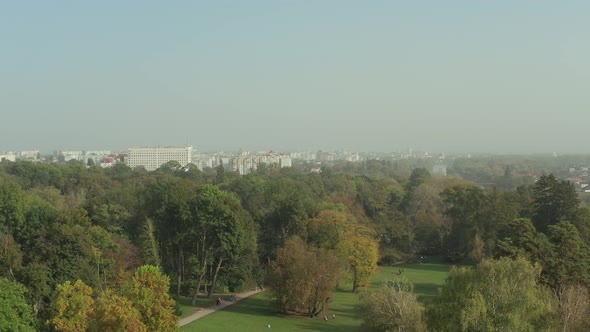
(219,229)
(566,259)
(553,201)
(464,206)
(12,207)
(497,295)
(15,313)
(219,173)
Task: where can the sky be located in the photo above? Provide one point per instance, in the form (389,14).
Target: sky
(441,76)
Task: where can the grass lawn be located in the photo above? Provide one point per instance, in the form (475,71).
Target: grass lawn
(256,313)
(187,309)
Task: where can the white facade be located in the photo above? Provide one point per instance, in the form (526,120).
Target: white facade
(285,162)
(72,155)
(29,155)
(10,156)
(153,157)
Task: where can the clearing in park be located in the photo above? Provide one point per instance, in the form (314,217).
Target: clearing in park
(256,313)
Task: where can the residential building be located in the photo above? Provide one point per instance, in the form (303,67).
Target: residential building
(153,157)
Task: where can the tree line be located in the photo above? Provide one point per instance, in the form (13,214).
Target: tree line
(68,225)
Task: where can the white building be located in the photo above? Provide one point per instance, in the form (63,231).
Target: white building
(28,155)
(439,169)
(285,161)
(153,157)
(10,156)
(72,155)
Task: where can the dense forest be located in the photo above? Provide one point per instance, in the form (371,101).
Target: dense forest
(87,248)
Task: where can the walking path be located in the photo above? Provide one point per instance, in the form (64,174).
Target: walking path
(205,311)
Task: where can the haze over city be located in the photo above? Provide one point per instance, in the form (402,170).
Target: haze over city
(459,76)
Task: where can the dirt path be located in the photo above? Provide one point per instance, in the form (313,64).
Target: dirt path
(205,311)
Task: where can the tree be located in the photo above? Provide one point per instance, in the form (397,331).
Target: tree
(566,258)
(219,173)
(464,206)
(302,277)
(361,253)
(553,201)
(148,291)
(355,244)
(497,295)
(73,306)
(393,306)
(219,229)
(573,308)
(114,313)
(15,313)
(521,240)
(12,207)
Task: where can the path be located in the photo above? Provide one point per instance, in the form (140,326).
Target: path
(205,311)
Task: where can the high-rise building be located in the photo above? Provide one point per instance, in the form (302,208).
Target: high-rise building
(153,157)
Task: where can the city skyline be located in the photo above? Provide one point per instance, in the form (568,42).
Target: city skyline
(464,76)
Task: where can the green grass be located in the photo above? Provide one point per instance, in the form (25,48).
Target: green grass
(187,309)
(255,313)
(426,277)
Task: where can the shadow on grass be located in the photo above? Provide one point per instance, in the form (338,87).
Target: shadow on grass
(330,325)
(426,290)
(428,267)
(253,306)
(186,307)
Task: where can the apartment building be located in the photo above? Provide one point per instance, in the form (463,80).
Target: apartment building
(153,157)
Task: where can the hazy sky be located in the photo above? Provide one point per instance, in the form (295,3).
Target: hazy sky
(489,76)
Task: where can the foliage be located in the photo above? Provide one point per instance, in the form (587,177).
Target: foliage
(302,277)
(73,306)
(392,306)
(114,313)
(15,313)
(148,291)
(361,253)
(496,295)
(553,201)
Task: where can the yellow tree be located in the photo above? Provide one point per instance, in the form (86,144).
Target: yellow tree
(74,307)
(148,291)
(354,243)
(361,252)
(114,313)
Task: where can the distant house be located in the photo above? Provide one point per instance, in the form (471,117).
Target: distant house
(439,169)
(316,170)
(107,162)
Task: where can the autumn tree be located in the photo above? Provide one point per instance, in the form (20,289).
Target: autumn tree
(392,306)
(73,306)
(115,313)
(302,277)
(361,253)
(354,243)
(148,291)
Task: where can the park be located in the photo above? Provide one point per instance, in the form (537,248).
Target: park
(256,312)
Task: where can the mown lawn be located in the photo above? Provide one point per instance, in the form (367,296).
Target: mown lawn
(256,313)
